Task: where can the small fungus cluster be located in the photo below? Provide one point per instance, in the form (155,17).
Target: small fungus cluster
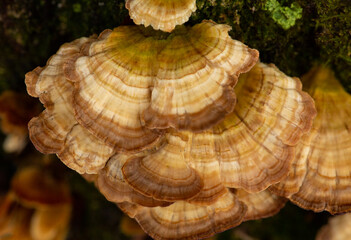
(38,207)
(187,131)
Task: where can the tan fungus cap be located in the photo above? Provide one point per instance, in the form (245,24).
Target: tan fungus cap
(260,205)
(135,80)
(160,14)
(251,149)
(183,220)
(56,130)
(321,175)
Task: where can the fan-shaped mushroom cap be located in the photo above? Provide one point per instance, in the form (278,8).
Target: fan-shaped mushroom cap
(251,149)
(260,205)
(113,186)
(56,130)
(272,115)
(15,112)
(160,14)
(338,228)
(182,80)
(38,207)
(163,175)
(183,220)
(322,175)
(167,173)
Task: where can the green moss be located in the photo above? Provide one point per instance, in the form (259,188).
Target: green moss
(284,16)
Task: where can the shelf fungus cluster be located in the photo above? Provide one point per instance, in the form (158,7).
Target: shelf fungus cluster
(161,126)
(38,207)
(185,131)
(320,176)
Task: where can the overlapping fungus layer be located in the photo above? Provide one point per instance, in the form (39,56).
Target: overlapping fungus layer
(192,172)
(320,177)
(130,80)
(152,118)
(56,130)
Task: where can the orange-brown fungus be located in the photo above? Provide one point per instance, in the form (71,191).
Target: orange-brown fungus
(38,207)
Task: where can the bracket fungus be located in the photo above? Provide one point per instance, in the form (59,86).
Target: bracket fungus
(320,177)
(160,14)
(159,123)
(188,174)
(112,185)
(56,130)
(261,204)
(116,92)
(38,207)
(251,149)
(183,220)
(159,174)
(134,76)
